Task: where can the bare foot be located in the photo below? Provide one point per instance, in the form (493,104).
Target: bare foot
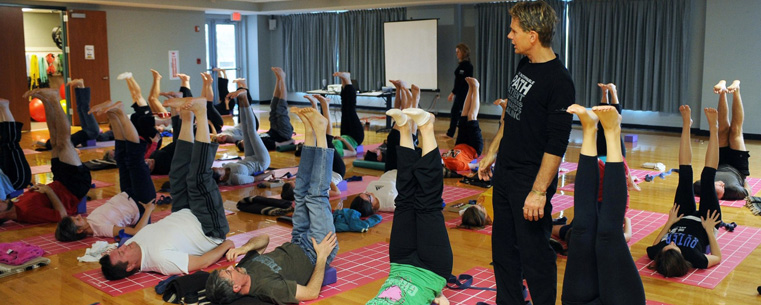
(713,117)
(206,77)
(156,74)
(734,87)
(100,108)
(279,73)
(472,81)
(196,105)
(611,87)
(241,82)
(177,102)
(588,118)
(43,94)
(344,76)
(609,117)
(686,115)
(171,94)
(318,121)
(311,100)
(235,94)
(183,77)
(79,83)
(216,69)
(721,87)
(415,95)
(112,107)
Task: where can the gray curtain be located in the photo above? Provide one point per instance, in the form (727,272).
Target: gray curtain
(497,60)
(360,44)
(310,43)
(640,45)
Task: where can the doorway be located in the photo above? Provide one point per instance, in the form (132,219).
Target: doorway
(225,50)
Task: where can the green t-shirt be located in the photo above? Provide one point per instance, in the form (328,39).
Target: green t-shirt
(274,275)
(339,145)
(408,284)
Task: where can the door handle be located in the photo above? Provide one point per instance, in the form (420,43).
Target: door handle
(105,77)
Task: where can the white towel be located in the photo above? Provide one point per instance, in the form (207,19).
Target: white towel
(97,250)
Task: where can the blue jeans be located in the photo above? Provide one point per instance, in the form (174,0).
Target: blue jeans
(312,216)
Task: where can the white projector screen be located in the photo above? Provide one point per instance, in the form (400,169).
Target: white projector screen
(411,52)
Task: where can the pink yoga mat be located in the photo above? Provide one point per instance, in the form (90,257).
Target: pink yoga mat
(30,151)
(567,167)
(356,268)
(142,280)
(356,187)
(52,246)
(40,169)
(639,173)
(483,277)
(644,223)
(735,247)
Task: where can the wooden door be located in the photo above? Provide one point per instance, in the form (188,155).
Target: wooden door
(13,80)
(87,30)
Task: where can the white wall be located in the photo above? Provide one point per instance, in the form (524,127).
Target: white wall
(732,47)
(139,40)
(38,28)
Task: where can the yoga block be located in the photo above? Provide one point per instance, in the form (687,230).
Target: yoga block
(287,147)
(82,207)
(91,143)
(16,193)
(360,149)
(631,138)
(370,164)
(331,276)
(342,186)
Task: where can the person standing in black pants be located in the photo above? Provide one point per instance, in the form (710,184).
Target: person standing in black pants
(600,269)
(528,150)
(460,90)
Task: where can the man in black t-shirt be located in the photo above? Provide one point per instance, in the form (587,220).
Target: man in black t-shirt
(528,149)
(733,156)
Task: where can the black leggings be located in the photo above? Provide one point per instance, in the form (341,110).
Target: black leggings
(685,196)
(418,234)
(600,269)
(12,160)
(350,123)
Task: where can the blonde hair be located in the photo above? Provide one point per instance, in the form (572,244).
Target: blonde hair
(537,16)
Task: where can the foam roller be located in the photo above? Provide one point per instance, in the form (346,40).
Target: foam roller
(370,164)
(288,147)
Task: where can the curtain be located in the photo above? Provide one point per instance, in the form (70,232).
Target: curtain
(497,60)
(310,43)
(640,45)
(360,44)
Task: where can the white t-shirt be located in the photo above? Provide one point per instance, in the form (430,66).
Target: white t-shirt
(119,211)
(385,190)
(167,244)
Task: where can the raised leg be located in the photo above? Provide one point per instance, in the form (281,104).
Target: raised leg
(153,97)
(736,139)
(723,110)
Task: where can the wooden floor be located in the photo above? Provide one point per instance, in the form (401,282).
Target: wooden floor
(55,284)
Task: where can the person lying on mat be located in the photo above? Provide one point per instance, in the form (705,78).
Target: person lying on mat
(294,271)
(474,216)
(213,117)
(281,129)
(606,89)
(90,128)
(600,269)
(129,210)
(352,130)
(235,134)
(193,236)
(254,165)
(71,179)
(681,244)
(733,156)
(469,143)
(380,195)
(419,249)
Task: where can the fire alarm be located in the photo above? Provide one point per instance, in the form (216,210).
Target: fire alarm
(198,61)
(198,29)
